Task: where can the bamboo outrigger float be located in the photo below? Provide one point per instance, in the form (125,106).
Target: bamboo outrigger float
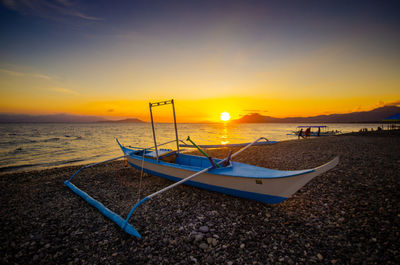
(224,176)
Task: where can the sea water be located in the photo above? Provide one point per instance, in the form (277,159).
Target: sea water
(27,146)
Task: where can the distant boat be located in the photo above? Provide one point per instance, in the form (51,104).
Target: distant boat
(319,130)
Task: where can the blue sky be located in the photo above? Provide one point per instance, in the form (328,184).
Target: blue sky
(91,56)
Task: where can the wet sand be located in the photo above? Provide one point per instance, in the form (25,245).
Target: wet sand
(350,214)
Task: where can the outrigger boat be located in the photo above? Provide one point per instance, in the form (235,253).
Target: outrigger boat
(220,175)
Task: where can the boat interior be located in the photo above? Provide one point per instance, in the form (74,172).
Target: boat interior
(172,156)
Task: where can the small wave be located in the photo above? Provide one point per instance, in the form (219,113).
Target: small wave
(93,157)
(18,142)
(55,139)
(74,161)
(17,167)
(22,167)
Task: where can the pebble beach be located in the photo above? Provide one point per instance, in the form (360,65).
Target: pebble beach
(348,215)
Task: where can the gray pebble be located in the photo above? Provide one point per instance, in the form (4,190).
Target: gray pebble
(198,237)
(209,260)
(204,229)
(203,246)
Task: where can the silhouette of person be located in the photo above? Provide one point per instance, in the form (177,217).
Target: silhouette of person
(300,134)
(307,132)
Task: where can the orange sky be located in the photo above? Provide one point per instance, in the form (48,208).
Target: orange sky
(279,61)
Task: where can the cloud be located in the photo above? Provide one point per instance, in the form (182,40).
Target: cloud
(255,110)
(9,4)
(65,90)
(380,103)
(80,15)
(110,110)
(395,103)
(47,9)
(21,74)
(65,2)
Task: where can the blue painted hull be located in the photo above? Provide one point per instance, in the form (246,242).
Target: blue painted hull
(233,192)
(238,179)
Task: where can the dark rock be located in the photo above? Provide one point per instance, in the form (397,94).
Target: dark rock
(198,237)
(210,260)
(204,229)
(203,246)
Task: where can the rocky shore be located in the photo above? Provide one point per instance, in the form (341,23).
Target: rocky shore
(349,215)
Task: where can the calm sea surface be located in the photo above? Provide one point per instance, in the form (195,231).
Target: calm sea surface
(36,146)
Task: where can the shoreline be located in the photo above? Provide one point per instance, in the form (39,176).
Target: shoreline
(347,215)
(34,167)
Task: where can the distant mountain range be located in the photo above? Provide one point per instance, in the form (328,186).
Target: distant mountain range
(61,118)
(375,115)
(131,120)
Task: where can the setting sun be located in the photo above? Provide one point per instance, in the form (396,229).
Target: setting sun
(225,116)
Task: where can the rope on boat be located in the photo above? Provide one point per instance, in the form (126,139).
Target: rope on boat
(141,177)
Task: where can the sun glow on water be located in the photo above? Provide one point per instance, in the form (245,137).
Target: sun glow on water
(225,116)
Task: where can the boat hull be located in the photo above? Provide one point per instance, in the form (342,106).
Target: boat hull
(259,188)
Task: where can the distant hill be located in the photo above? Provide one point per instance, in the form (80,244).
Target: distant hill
(131,120)
(54,118)
(375,115)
